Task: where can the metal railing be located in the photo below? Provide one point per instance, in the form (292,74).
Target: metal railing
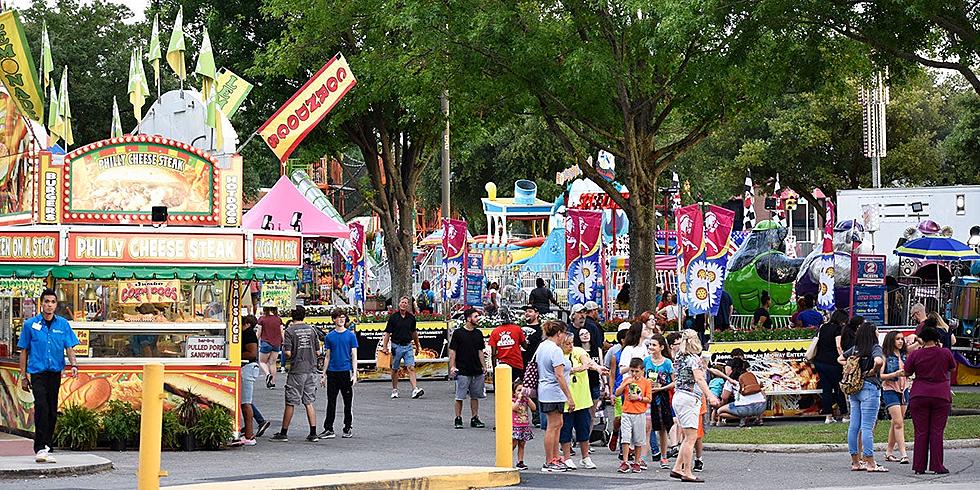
(744,322)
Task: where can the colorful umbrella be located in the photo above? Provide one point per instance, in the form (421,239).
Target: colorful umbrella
(935,247)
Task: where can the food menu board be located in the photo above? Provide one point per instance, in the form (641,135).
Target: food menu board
(120,180)
(780,372)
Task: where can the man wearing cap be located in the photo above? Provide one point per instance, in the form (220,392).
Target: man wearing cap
(590,312)
(533,334)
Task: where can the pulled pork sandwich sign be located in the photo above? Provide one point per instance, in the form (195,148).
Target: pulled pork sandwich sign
(120,180)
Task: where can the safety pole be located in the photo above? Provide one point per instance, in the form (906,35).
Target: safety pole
(151,428)
(503,410)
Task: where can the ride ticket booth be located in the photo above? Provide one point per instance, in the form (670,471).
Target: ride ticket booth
(137,284)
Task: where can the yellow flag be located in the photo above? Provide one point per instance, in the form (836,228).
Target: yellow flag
(20,76)
(175,51)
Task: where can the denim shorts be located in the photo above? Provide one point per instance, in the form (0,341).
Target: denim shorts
(750,410)
(250,372)
(891,398)
(581,421)
(596,392)
(402,352)
(266,348)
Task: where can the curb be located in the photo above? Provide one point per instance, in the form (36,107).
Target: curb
(823,448)
(430,478)
(22,467)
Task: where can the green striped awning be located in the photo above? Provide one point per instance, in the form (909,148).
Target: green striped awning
(119,272)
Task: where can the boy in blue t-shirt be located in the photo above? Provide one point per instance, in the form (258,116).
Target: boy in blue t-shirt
(339,373)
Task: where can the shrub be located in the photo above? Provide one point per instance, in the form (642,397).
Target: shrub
(77,428)
(214,427)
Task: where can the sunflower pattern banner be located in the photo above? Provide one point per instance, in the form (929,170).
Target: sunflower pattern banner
(357,260)
(693,292)
(718,224)
(582,255)
(825,294)
(454,257)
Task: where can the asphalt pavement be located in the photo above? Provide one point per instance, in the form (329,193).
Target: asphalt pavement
(405,433)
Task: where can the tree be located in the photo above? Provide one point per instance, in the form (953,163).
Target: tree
(933,33)
(644,81)
(92,40)
(392,116)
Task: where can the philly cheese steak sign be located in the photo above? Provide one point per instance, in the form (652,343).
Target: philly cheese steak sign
(155,248)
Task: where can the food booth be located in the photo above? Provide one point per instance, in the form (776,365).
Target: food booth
(137,282)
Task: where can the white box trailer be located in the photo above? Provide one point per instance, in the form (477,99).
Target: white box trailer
(899,209)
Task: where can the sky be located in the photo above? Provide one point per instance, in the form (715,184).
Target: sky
(137,6)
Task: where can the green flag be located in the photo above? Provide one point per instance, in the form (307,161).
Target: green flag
(64,112)
(205,65)
(53,117)
(214,118)
(175,52)
(154,54)
(116,130)
(137,88)
(47,66)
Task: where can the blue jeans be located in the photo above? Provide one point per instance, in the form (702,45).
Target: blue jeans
(257,415)
(864,413)
(654,444)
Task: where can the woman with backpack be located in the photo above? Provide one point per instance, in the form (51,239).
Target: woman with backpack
(860,381)
(426,299)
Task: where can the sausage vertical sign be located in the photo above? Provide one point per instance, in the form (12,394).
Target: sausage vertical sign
(307,107)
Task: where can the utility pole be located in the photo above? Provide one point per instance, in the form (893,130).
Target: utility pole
(445,155)
(873,100)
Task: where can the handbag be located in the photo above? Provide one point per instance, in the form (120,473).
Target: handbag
(530,380)
(811,351)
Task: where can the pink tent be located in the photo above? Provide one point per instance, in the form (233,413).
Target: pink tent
(281,202)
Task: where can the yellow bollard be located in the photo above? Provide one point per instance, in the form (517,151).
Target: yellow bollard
(503,409)
(151,428)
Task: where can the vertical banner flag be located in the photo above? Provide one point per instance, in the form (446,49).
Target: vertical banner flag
(825,294)
(675,198)
(357,260)
(232,90)
(453,257)
(474,279)
(690,240)
(718,224)
(778,214)
(284,131)
(20,76)
(583,255)
(748,203)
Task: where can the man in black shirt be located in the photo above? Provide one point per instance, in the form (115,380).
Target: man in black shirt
(532,332)
(541,297)
(723,320)
(761,318)
(467,366)
(401,332)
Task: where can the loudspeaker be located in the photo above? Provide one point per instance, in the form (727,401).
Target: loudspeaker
(158,214)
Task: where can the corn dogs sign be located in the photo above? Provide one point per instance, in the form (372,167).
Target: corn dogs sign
(284,131)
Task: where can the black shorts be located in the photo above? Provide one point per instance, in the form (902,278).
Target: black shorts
(548,407)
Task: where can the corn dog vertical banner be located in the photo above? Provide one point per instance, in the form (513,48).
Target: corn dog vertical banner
(284,131)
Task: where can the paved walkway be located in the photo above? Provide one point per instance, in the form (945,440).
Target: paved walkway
(406,433)
(69,464)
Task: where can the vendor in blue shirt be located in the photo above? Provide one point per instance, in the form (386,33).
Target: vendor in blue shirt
(44,342)
(339,373)
(809,318)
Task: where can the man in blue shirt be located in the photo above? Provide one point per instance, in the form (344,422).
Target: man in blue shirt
(44,342)
(339,373)
(810,318)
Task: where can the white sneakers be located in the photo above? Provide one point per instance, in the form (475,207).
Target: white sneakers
(569,464)
(44,456)
(394,393)
(417,392)
(586,463)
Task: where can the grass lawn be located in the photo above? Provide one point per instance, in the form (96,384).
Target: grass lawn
(966,400)
(816,432)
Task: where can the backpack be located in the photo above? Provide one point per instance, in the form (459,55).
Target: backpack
(530,380)
(853,378)
(749,384)
(423,301)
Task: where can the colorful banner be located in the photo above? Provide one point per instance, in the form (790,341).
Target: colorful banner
(474,279)
(155,248)
(279,294)
(453,257)
(718,224)
(277,250)
(693,294)
(230,187)
(49,196)
(232,91)
(825,293)
(37,247)
(284,131)
(583,247)
(17,63)
(118,181)
(869,270)
(156,291)
(357,240)
(869,302)
(21,288)
(16,166)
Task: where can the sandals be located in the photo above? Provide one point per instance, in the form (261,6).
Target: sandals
(891,458)
(904,460)
(877,468)
(691,480)
(861,466)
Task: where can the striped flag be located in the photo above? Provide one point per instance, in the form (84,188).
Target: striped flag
(675,199)
(154,55)
(53,117)
(175,51)
(63,122)
(748,204)
(205,65)
(137,89)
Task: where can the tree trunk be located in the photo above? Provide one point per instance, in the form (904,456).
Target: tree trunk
(643,249)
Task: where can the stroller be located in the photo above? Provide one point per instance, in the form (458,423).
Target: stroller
(599,434)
